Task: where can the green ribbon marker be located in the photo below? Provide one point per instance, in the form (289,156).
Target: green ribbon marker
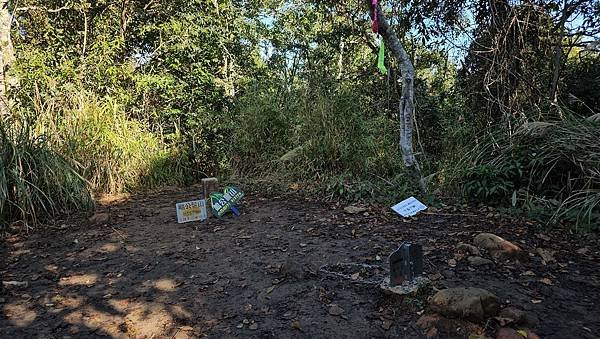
(381,59)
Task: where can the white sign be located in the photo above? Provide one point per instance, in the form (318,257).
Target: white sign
(409,207)
(191,211)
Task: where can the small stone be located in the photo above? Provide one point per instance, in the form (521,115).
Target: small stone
(452,263)
(354,209)
(468,248)
(479,261)
(335,310)
(386,324)
(253,326)
(497,246)
(470,303)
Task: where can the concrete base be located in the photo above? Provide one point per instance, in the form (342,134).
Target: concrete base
(411,287)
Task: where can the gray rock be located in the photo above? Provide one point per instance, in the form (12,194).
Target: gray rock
(354,209)
(475,304)
(468,248)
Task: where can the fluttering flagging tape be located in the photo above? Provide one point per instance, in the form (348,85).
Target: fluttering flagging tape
(381,54)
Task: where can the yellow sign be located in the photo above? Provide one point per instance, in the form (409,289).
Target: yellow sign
(191,211)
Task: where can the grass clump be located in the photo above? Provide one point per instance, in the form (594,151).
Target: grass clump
(554,166)
(35,181)
(114,153)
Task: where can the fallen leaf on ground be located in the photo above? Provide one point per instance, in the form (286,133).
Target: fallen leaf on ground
(547,255)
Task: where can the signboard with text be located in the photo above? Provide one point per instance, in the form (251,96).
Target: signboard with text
(409,207)
(223,202)
(191,211)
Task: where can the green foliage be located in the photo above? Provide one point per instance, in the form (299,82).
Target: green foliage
(491,184)
(114,153)
(35,181)
(142,93)
(553,165)
(582,82)
(327,135)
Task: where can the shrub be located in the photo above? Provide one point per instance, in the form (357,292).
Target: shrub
(556,163)
(114,153)
(35,181)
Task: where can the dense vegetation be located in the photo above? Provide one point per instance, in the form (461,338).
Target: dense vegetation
(110,96)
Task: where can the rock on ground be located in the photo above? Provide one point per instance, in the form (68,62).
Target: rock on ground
(475,304)
(354,209)
(497,246)
(468,248)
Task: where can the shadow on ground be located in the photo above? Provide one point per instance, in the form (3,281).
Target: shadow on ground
(140,274)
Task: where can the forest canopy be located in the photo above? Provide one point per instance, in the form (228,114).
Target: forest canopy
(122,95)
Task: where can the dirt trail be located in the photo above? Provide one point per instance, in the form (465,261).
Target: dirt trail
(143,275)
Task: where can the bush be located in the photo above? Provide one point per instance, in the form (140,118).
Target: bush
(114,153)
(550,164)
(35,181)
(325,135)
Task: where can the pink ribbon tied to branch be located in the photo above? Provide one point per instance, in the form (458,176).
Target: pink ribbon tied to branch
(375,19)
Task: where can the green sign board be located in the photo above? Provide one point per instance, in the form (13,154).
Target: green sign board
(223,202)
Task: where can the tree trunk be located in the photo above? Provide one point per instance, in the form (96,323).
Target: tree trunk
(407,99)
(7,56)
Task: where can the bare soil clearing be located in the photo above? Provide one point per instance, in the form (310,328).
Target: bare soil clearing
(140,274)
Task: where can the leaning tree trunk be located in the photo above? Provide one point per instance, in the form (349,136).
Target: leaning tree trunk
(407,99)
(7,55)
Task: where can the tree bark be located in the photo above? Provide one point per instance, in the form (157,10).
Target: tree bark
(7,56)
(407,99)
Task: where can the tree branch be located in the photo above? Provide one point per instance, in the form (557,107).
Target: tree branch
(37,8)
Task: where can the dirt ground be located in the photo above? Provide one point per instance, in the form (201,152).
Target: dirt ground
(142,275)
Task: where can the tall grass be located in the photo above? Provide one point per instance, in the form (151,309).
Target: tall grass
(552,164)
(35,181)
(55,151)
(115,153)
